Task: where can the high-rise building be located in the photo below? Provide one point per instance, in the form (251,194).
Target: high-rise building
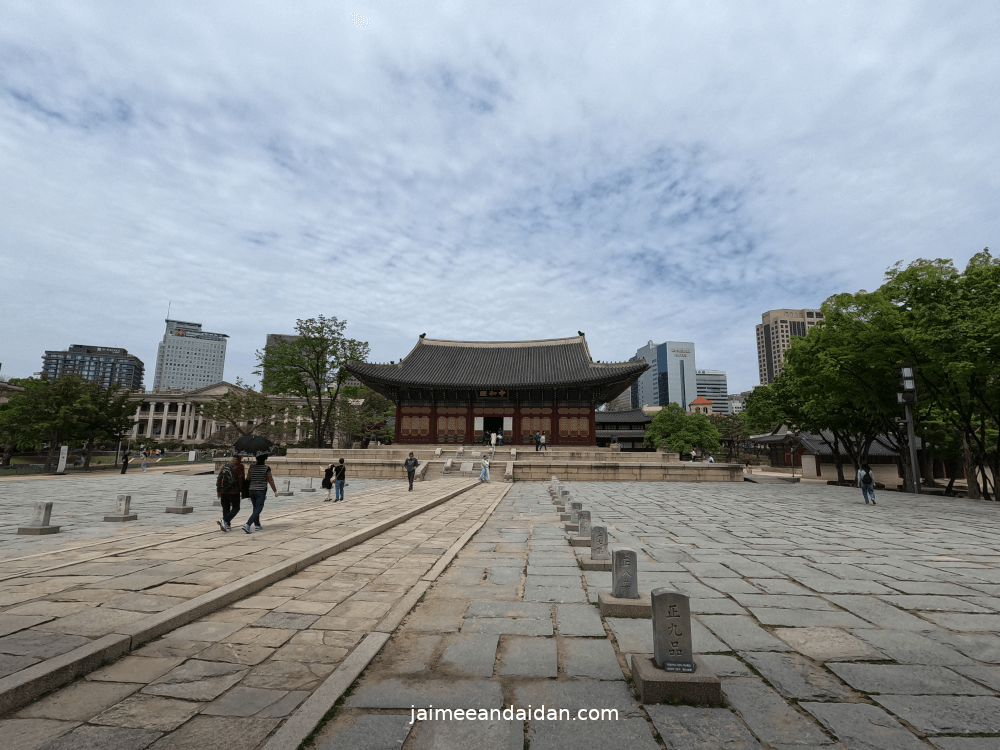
(713,386)
(737,401)
(102,364)
(189,357)
(775,332)
(670,378)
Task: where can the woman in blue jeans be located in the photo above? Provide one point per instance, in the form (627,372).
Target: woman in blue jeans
(259,476)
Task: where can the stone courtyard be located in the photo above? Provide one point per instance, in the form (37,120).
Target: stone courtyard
(832,624)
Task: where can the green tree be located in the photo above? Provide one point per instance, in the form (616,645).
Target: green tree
(46,411)
(361,412)
(312,368)
(733,433)
(680,432)
(952,338)
(105,414)
(249,412)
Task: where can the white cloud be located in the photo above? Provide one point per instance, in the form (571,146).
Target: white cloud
(643,171)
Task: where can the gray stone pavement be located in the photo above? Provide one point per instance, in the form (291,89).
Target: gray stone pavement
(47,613)
(833,625)
(231,678)
(81,502)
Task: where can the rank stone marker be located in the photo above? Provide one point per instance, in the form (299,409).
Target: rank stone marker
(287,492)
(600,558)
(674,673)
(582,538)
(574,516)
(309,488)
(182,504)
(40,521)
(624,599)
(122,510)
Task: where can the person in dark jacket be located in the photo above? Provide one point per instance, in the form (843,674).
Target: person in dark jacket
(125,456)
(340,479)
(410,464)
(328,482)
(228,487)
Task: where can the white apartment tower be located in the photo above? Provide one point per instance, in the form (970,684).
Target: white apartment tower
(189,357)
(775,332)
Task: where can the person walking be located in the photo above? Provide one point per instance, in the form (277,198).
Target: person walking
(500,437)
(538,441)
(493,441)
(866,481)
(228,488)
(545,446)
(410,464)
(484,475)
(328,482)
(259,477)
(143,464)
(340,478)
(125,456)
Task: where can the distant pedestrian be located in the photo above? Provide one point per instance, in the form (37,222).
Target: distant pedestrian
(538,441)
(328,482)
(125,456)
(259,477)
(500,437)
(493,441)
(411,464)
(866,481)
(544,444)
(143,464)
(340,478)
(228,488)
(711,459)
(484,475)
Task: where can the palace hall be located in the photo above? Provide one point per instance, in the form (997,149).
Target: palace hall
(457,391)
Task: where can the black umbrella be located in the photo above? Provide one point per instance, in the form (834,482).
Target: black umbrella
(253,445)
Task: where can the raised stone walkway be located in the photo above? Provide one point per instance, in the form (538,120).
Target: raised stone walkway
(61,622)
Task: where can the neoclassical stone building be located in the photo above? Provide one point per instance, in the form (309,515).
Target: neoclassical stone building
(176,415)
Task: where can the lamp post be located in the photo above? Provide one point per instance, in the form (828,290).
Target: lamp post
(908,397)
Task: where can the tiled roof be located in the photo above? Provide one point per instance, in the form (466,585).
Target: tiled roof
(633,416)
(701,400)
(498,364)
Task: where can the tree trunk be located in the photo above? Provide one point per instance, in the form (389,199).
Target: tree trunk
(926,461)
(89,451)
(970,470)
(53,444)
(8,452)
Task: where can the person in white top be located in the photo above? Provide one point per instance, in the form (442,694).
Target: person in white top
(866,481)
(484,475)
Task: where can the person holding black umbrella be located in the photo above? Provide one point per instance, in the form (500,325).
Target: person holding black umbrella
(258,476)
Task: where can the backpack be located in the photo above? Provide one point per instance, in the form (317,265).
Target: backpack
(867,479)
(227,480)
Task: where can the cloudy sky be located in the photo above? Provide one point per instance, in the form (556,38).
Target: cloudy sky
(507,170)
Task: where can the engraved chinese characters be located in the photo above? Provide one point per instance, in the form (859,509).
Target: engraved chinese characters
(624,579)
(122,505)
(599,543)
(182,497)
(574,510)
(672,649)
(43,512)
(584,521)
